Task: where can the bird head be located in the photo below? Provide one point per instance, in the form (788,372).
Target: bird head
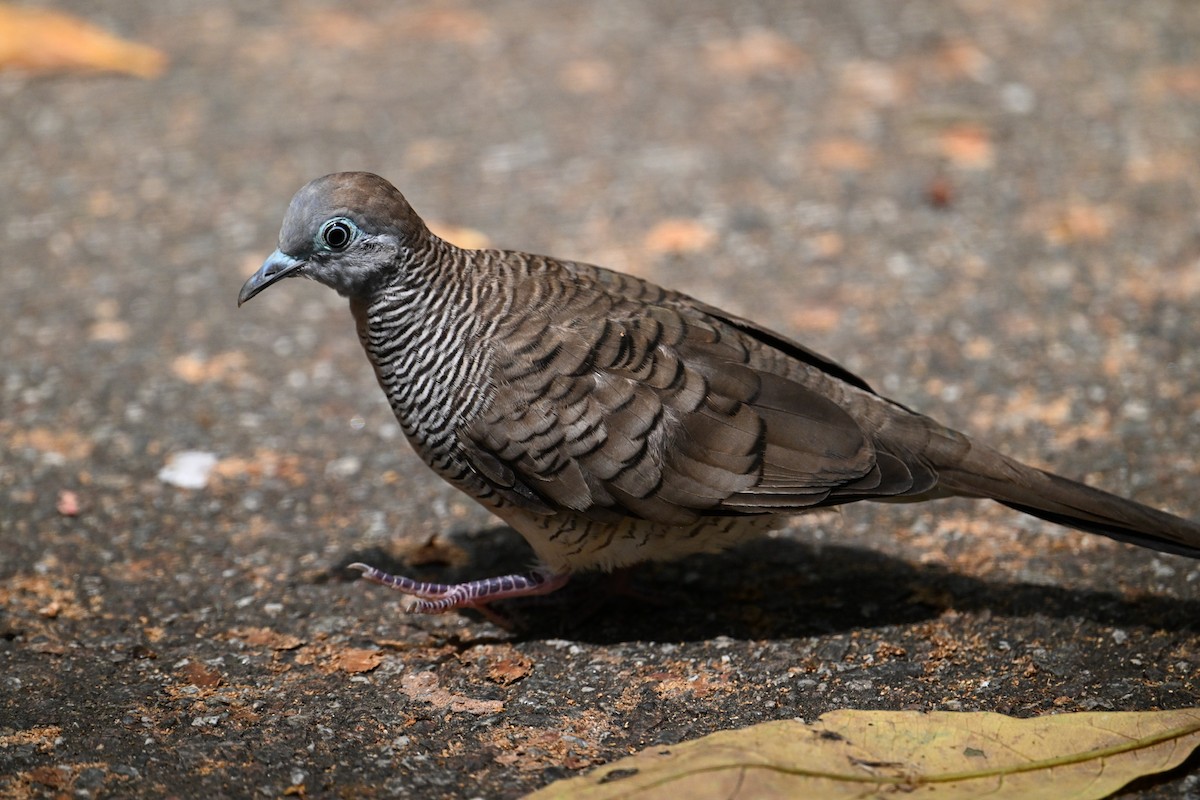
(346,230)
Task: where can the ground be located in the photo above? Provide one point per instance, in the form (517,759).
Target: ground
(989,211)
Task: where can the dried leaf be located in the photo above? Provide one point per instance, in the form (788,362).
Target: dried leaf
(679,236)
(876,83)
(466,238)
(66,442)
(507,671)
(1179,82)
(829,244)
(446,24)
(843,154)
(41,595)
(587,76)
(1144,166)
(265,637)
(968,145)
(49,776)
(263,464)
(43,738)
(42,40)
(341,28)
(571,745)
(199,675)
(355,659)
(818,319)
(960,58)
(758,51)
(109,330)
(198,369)
(865,754)
(1078,222)
(424,687)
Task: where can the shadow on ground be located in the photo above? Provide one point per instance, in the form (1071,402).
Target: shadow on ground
(769,589)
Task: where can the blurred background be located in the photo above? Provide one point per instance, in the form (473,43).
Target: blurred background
(989,211)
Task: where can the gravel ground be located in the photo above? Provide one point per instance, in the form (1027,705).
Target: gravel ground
(989,211)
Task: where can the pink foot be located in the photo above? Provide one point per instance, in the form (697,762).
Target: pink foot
(436,598)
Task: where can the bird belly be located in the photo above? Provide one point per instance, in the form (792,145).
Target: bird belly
(568,542)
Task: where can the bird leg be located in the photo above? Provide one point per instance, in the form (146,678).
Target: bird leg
(436,598)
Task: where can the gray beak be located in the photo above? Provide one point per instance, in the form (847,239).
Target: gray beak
(278,266)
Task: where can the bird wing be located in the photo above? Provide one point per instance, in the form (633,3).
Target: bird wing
(616,408)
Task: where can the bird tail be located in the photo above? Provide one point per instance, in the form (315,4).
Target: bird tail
(979,471)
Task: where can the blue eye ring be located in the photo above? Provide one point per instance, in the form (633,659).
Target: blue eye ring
(337,233)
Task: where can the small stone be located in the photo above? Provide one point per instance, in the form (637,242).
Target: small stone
(189,469)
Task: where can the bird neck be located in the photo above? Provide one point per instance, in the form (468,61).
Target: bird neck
(426,345)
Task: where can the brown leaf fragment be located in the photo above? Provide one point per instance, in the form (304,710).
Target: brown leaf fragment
(263,464)
(511,669)
(1179,82)
(423,686)
(446,24)
(961,58)
(538,749)
(68,443)
(339,28)
(587,76)
(200,676)
(194,368)
(109,330)
(265,637)
(1079,222)
(840,153)
(41,40)
(108,325)
(675,236)
(355,660)
(466,238)
(40,594)
(43,738)
(967,145)
(875,83)
(756,52)
(49,776)
(821,319)
(51,610)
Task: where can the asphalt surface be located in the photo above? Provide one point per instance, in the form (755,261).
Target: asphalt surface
(989,211)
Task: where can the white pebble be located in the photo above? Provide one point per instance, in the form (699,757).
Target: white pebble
(188,469)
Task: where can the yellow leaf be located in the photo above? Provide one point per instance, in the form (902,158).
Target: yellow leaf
(865,754)
(41,40)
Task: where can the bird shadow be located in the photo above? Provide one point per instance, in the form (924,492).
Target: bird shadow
(770,589)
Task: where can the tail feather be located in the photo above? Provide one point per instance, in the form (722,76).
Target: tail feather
(983,472)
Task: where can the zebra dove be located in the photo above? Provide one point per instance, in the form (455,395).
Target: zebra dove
(611,421)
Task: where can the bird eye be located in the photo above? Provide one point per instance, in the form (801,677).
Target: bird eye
(336,234)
